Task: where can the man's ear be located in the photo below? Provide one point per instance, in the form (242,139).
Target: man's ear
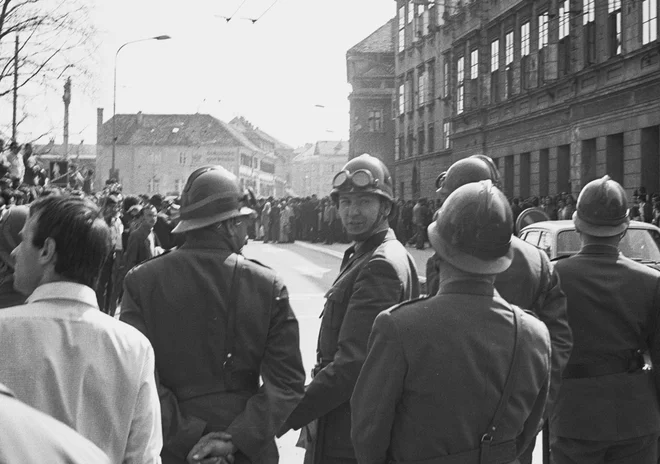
(386,207)
(48,253)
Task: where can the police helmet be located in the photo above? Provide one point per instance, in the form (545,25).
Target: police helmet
(473,229)
(211,195)
(602,209)
(364,173)
(471,169)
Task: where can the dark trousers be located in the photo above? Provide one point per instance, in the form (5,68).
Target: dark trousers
(639,450)
(421,237)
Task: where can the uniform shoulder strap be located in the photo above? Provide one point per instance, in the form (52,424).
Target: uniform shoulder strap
(511,378)
(230,339)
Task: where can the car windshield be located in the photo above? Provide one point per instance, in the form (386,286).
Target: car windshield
(638,244)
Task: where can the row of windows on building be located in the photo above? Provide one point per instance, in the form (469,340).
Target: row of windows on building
(614,162)
(422,141)
(253,162)
(528,46)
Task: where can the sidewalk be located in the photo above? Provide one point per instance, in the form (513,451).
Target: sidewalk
(337,250)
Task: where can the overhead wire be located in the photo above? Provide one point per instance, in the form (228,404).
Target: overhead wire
(254,20)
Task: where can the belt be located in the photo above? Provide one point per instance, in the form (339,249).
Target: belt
(633,363)
(240,381)
(500,453)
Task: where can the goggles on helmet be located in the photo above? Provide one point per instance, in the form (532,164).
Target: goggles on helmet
(361,178)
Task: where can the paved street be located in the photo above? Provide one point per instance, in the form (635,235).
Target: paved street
(308,270)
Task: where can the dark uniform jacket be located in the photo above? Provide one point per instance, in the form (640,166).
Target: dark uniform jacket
(180,302)
(380,274)
(613,305)
(531,283)
(435,373)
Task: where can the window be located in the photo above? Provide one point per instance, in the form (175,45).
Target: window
(474,64)
(431,135)
(460,99)
(402,146)
(460,73)
(268,167)
(649,21)
(508,60)
(564,18)
(614,26)
(564,49)
(154,185)
(423,20)
(440,10)
(409,93)
(182,158)
(495,55)
(402,99)
(508,52)
(418,23)
(402,28)
(411,11)
(494,74)
(430,69)
(420,141)
(411,140)
(446,132)
(588,11)
(543,30)
(445,77)
(524,39)
(375,121)
(421,87)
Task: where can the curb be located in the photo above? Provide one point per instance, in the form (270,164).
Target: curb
(320,249)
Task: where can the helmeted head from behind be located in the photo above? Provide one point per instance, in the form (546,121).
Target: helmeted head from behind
(602,209)
(473,229)
(211,195)
(472,169)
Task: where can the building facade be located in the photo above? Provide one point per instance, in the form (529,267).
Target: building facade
(556,92)
(313,169)
(370,70)
(277,160)
(156,153)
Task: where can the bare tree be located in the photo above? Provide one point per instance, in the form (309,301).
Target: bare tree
(53,36)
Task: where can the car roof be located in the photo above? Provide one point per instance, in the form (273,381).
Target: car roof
(567,224)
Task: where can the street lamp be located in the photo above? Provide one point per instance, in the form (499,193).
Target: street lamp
(114,98)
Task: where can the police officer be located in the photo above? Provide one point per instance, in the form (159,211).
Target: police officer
(607,409)
(462,376)
(376,273)
(530,282)
(217,322)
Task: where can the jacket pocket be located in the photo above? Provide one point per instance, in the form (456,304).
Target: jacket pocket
(335,308)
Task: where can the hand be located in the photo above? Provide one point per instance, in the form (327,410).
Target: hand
(213,448)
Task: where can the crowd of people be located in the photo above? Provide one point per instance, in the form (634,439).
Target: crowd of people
(203,363)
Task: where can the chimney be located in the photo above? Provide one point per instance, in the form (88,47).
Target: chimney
(99,124)
(139,118)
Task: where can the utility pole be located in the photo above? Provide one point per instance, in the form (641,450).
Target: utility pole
(67,99)
(13,124)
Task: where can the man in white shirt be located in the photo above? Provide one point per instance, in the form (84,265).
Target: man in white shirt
(63,356)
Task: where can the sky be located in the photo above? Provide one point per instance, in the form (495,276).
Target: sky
(273,72)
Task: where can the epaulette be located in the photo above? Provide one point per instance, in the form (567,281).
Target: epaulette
(409,302)
(259,263)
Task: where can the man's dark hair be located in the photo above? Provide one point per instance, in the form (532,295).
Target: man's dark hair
(82,238)
(129,201)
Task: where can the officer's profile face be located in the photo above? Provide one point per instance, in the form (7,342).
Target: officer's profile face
(359,212)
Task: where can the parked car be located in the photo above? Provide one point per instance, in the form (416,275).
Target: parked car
(559,239)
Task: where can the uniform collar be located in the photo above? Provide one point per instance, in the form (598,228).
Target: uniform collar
(468,286)
(599,249)
(64,291)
